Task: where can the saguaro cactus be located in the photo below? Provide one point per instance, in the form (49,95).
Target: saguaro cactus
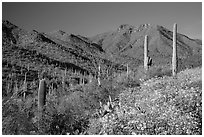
(99,75)
(82,80)
(174,56)
(41,95)
(146,53)
(25,87)
(127,70)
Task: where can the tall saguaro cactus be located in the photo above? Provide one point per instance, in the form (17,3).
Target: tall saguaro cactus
(99,75)
(41,95)
(25,87)
(146,53)
(174,56)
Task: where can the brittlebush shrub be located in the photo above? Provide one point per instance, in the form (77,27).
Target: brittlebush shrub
(162,106)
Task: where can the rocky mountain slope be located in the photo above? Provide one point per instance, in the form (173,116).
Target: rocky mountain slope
(50,51)
(126,102)
(126,44)
(113,49)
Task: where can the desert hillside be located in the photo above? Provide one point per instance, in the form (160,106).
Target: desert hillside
(57,83)
(125,44)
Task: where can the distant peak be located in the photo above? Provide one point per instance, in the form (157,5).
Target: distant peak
(125,27)
(135,28)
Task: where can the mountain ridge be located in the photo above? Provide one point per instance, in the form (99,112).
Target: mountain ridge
(128,40)
(52,48)
(121,46)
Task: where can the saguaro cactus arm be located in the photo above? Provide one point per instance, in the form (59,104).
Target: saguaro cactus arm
(149,61)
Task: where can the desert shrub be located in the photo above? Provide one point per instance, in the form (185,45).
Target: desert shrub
(64,115)
(69,114)
(136,77)
(129,80)
(17,116)
(62,121)
(161,106)
(190,62)
(153,71)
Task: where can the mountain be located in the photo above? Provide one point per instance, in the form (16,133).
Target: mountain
(53,52)
(126,45)
(114,49)
(74,105)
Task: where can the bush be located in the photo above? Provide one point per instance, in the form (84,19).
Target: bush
(153,71)
(161,106)
(16,116)
(129,80)
(70,114)
(136,77)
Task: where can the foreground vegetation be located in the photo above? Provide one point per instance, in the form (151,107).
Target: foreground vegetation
(141,103)
(159,106)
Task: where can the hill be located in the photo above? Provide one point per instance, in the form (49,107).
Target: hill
(126,45)
(115,48)
(49,51)
(160,106)
(75,102)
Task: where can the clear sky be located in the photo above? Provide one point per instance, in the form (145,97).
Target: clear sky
(89,19)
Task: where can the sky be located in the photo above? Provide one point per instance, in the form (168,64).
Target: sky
(89,19)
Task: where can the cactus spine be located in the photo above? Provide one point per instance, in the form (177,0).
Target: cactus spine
(146,53)
(174,56)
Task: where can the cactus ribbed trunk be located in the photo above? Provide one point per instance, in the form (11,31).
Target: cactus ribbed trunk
(41,95)
(146,53)
(174,56)
(41,101)
(25,87)
(99,75)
